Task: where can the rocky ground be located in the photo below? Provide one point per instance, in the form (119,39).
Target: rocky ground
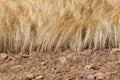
(68,65)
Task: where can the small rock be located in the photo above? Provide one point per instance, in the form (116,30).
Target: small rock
(16,67)
(73,78)
(70,55)
(43,63)
(87,52)
(90,76)
(100,76)
(11,59)
(115,50)
(3,56)
(88,66)
(95,68)
(29,76)
(111,73)
(39,77)
(63,59)
(25,56)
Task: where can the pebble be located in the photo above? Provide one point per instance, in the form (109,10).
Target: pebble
(29,76)
(39,77)
(3,56)
(16,67)
(100,76)
(87,52)
(115,50)
(90,76)
(63,59)
(25,56)
(88,66)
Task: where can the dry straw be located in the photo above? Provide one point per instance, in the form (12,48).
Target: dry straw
(46,25)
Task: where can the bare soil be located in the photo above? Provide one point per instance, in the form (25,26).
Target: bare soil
(68,65)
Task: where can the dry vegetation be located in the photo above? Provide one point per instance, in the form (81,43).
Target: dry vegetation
(46,25)
(56,33)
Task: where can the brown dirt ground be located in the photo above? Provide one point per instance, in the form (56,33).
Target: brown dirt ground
(68,65)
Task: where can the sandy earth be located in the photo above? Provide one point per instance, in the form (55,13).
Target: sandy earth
(68,65)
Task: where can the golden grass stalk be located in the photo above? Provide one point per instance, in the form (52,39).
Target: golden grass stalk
(46,25)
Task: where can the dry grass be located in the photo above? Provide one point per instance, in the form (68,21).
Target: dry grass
(46,25)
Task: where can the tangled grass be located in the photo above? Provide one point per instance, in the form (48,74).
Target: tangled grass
(49,25)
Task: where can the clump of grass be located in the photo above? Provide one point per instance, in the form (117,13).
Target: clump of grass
(46,25)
